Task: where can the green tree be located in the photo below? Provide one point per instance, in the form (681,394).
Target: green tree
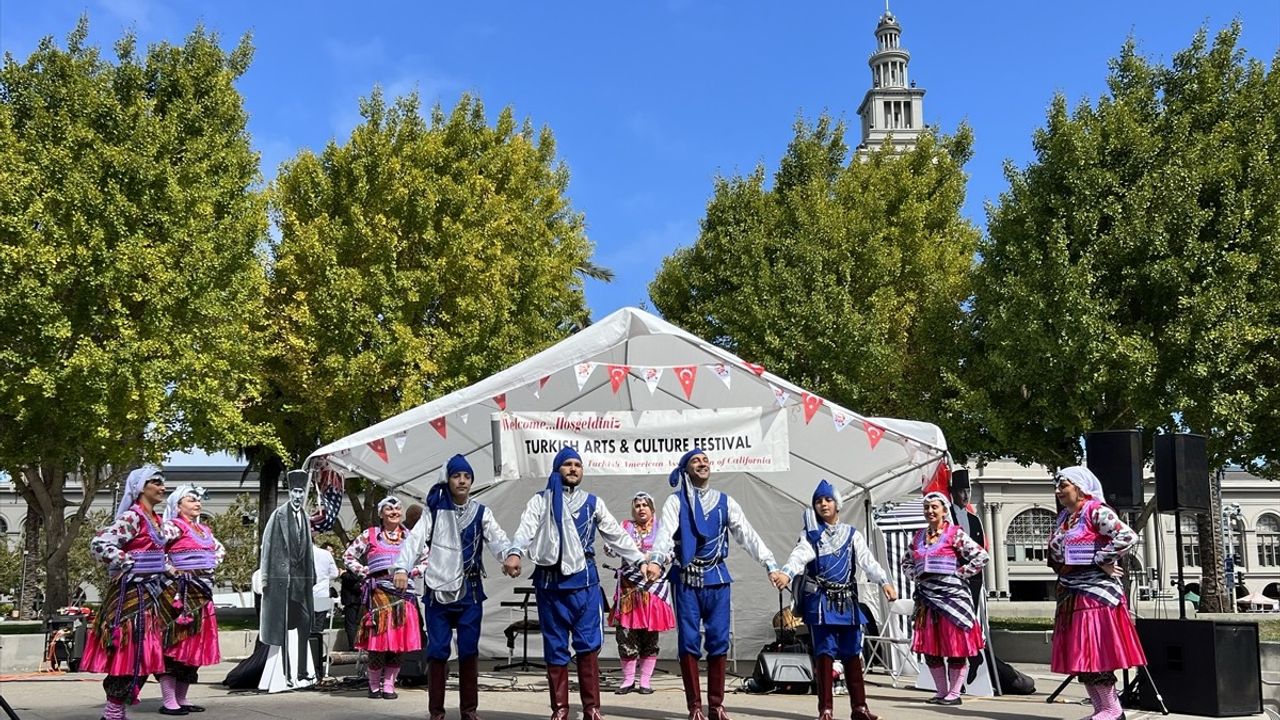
(418,257)
(130,281)
(846,277)
(239,539)
(10,567)
(82,567)
(1130,277)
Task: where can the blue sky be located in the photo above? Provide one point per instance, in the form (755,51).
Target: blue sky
(649,101)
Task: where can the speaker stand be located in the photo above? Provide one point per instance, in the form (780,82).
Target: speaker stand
(7,710)
(1129,695)
(1062,686)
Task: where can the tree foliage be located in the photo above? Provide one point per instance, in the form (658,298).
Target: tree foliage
(846,277)
(240,541)
(82,567)
(418,257)
(1131,277)
(130,282)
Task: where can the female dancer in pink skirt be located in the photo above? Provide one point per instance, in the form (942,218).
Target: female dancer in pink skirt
(1093,635)
(126,640)
(392,625)
(191,628)
(641,609)
(941,558)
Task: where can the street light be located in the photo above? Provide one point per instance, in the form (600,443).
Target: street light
(22,594)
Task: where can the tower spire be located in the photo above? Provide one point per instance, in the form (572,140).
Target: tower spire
(894,106)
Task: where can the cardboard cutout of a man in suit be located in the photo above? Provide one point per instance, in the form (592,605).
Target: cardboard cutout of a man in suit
(288,576)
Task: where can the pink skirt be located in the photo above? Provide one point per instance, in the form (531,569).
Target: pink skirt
(121,660)
(644,611)
(1088,636)
(202,648)
(934,634)
(391,624)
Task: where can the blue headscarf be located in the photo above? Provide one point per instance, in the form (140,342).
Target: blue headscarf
(439,497)
(824,490)
(555,483)
(692,520)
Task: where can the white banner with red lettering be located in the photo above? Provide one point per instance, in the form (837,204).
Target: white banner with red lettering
(648,442)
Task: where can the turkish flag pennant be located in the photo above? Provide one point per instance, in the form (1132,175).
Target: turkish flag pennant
(811,405)
(941,480)
(583,371)
(874,433)
(617,376)
(841,419)
(779,395)
(440,427)
(651,377)
(541,384)
(686,374)
(757,369)
(722,371)
(501,399)
(379,447)
(401,438)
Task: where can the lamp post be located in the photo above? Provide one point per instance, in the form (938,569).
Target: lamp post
(22,593)
(1231,513)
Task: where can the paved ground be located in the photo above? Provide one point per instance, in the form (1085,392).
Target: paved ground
(509,696)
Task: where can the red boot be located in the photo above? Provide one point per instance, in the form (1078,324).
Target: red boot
(469,687)
(823,674)
(558,686)
(692,686)
(589,685)
(857,690)
(715,687)
(437,676)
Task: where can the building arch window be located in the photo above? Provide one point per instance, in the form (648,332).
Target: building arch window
(1190,541)
(4,526)
(1028,537)
(1267,532)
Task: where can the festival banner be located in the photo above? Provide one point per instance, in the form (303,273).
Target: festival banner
(648,442)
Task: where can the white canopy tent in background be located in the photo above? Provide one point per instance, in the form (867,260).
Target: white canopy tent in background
(868,460)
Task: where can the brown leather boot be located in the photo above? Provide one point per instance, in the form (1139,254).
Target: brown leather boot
(715,687)
(823,678)
(857,690)
(469,687)
(589,685)
(692,686)
(437,676)
(558,686)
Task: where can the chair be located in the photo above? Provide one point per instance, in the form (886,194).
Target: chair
(892,647)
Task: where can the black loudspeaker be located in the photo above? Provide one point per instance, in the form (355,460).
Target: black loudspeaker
(783,672)
(1115,456)
(1202,667)
(1182,473)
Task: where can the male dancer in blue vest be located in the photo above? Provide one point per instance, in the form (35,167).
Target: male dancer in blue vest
(694,538)
(827,556)
(557,532)
(449,541)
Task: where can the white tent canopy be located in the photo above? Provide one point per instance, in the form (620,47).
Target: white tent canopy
(417,442)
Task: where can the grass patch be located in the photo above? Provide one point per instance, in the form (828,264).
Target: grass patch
(1020,623)
(21,628)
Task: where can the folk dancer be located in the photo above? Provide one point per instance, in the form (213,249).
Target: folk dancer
(826,558)
(941,560)
(557,532)
(391,625)
(454,531)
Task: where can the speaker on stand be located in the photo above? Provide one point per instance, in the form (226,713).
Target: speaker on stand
(1182,483)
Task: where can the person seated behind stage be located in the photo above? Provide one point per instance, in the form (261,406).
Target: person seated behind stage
(391,625)
(1093,635)
(694,538)
(941,559)
(557,532)
(826,558)
(453,530)
(641,609)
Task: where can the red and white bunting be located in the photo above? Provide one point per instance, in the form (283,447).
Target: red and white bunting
(464,415)
(583,372)
(651,377)
(874,433)
(439,425)
(779,395)
(501,400)
(542,382)
(811,405)
(721,371)
(401,438)
(686,374)
(617,376)
(757,369)
(841,419)
(379,448)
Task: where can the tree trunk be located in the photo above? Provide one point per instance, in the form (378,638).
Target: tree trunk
(268,486)
(30,563)
(1213,587)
